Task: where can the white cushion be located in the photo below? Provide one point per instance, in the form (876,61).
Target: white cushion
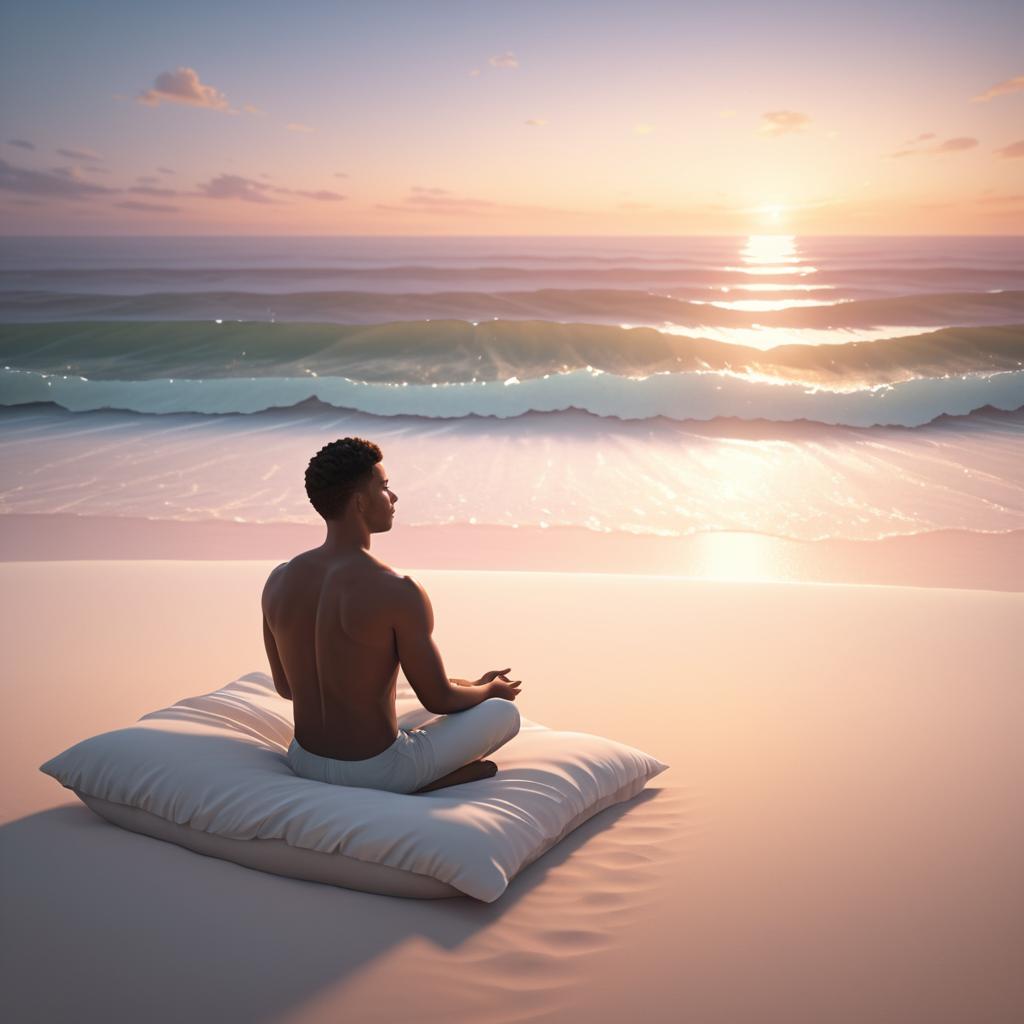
(210,773)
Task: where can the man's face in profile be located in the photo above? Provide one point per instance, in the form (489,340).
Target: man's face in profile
(379,501)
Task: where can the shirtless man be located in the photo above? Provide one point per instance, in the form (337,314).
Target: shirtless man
(337,623)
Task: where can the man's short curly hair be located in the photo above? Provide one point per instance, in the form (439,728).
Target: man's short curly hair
(337,471)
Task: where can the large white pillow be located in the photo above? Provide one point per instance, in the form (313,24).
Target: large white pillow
(210,774)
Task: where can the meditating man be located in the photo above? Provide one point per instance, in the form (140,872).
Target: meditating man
(337,623)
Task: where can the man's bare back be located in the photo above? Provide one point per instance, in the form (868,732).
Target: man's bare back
(331,620)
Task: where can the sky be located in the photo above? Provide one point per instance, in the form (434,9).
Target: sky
(525,118)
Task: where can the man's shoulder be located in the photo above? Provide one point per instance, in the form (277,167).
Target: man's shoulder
(275,574)
(382,573)
(272,586)
(399,585)
(402,592)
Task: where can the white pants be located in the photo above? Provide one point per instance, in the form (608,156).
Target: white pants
(420,755)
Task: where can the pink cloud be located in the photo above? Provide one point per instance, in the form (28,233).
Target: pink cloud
(183,86)
(956,145)
(1002,89)
(999,200)
(234,186)
(441,201)
(80,154)
(150,190)
(61,183)
(323,195)
(132,204)
(504,60)
(782,122)
(1013,151)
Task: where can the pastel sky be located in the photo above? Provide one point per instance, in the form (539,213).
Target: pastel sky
(555,118)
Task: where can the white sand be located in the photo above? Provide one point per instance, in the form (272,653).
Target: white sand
(839,837)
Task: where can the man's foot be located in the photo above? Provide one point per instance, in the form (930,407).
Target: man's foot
(467,773)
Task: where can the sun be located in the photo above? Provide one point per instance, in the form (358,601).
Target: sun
(772,212)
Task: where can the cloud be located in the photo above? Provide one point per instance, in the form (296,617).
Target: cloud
(76,172)
(340,174)
(80,154)
(1002,89)
(449,202)
(537,121)
(999,200)
(298,126)
(183,86)
(21,143)
(132,204)
(165,170)
(782,122)
(643,128)
(250,109)
(441,201)
(234,186)
(1012,151)
(323,195)
(62,183)
(955,145)
(474,72)
(149,190)
(504,60)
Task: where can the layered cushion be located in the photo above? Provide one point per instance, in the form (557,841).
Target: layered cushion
(210,773)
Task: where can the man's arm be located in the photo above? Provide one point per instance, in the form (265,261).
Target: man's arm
(421,660)
(276,668)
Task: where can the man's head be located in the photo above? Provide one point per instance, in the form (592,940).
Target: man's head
(346,477)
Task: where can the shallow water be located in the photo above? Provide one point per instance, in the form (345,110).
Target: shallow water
(811,388)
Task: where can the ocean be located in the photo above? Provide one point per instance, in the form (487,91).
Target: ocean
(852,388)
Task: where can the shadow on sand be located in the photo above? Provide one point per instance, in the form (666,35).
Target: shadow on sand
(106,924)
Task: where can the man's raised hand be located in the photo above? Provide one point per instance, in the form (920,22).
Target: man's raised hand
(493,674)
(500,684)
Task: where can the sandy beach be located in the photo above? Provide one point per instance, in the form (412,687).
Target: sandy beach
(838,838)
